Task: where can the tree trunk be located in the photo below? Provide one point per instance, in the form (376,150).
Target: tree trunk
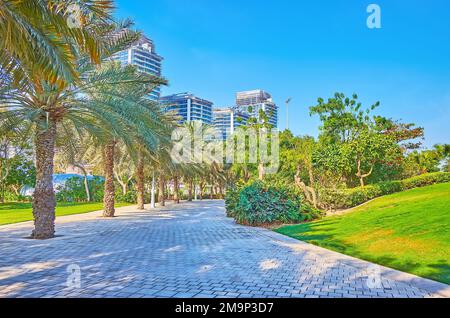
(124,187)
(309,191)
(86,182)
(361,181)
(261,171)
(246,174)
(200,190)
(221,191)
(312,187)
(2,193)
(16,189)
(140,183)
(362,176)
(108,199)
(44,201)
(161,189)
(191,185)
(2,182)
(176,196)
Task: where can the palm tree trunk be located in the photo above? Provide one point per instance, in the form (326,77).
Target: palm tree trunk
(140,183)
(201,190)
(44,201)
(221,191)
(161,189)
(191,185)
(108,199)
(176,197)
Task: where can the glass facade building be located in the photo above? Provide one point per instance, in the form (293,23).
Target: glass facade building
(189,107)
(252,102)
(143,55)
(227,120)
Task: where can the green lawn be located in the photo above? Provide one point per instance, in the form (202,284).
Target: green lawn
(409,231)
(14,212)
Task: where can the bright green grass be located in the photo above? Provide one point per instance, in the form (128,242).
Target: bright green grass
(14,212)
(409,231)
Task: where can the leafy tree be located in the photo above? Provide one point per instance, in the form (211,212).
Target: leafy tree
(95,104)
(296,156)
(426,161)
(342,117)
(353,142)
(22,173)
(368,149)
(15,162)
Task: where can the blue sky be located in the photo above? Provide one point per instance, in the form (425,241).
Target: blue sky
(305,50)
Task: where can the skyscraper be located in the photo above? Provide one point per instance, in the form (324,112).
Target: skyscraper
(189,107)
(227,120)
(143,55)
(252,102)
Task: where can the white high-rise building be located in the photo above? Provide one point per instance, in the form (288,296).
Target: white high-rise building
(226,120)
(143,55)
(189,107)
(252,102)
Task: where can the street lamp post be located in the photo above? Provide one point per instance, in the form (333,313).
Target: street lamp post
(287,112)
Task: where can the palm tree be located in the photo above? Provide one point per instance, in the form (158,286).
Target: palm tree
(141,123)
(152,154)
(94,105)
(36,41)
(140,180)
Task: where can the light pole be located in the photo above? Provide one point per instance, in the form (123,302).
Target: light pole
(287,112)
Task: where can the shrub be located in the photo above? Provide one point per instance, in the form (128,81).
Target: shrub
(260,204)
(348,198)
(130,197)
(426,180)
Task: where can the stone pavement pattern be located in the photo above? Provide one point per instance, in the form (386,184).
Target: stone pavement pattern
(191,250)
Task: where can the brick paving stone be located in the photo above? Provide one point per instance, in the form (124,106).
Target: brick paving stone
(187,250)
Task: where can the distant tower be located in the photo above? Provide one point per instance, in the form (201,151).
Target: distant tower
(143,55)
(251,102)
(227,120)
(189,107)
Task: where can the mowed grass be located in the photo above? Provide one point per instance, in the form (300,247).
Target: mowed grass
(408,231)
(14,212)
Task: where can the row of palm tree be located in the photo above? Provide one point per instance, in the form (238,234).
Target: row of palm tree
(61,86)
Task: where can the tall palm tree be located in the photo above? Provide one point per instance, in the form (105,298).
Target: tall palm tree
(94,105)
(142,125)
(36,40)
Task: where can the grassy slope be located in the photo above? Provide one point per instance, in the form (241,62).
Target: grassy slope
(409,231)
(21,212)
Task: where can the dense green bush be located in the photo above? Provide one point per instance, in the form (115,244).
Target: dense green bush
(262,204)
(130,197)
(348,198)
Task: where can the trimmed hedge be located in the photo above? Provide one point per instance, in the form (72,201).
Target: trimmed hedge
(262,204)
(349,198)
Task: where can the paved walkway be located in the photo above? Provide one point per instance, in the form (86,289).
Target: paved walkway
(191,250)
